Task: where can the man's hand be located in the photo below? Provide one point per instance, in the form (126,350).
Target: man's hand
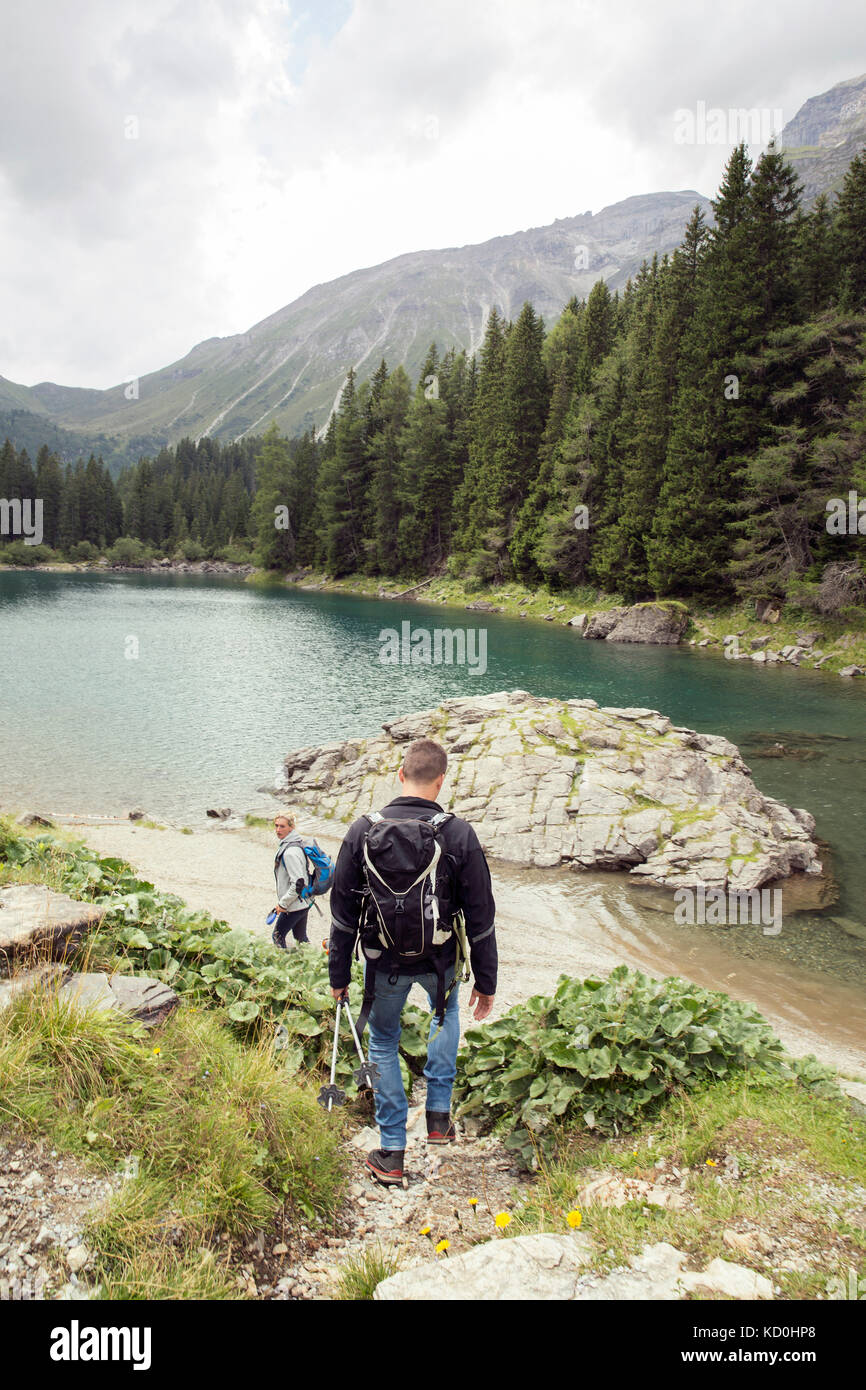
(484,1004)
(340,993)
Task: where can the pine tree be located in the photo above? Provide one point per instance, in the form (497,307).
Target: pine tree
(344,480)
(474,503)
(386,481)
(850,235)
(49,487)
(272,510)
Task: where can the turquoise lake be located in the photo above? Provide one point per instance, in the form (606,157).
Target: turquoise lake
(176,693)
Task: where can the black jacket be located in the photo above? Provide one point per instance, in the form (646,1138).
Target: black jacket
(473,894)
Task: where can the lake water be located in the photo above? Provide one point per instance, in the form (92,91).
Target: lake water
(175,693)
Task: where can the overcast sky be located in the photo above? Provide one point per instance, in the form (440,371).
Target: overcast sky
(178,170)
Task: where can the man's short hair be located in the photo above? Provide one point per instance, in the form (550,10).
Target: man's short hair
(424,761)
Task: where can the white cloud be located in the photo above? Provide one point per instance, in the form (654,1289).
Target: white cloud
(276,149)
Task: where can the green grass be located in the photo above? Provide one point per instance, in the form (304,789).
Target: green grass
(845,638)
(258,822)
(224,1143)
(360,1274)
(787,1143)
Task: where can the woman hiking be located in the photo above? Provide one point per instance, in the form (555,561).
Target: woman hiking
(291,874)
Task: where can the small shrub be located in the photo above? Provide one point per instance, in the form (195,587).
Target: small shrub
(83,552)
(601,1054)
(129,551)
(20,553)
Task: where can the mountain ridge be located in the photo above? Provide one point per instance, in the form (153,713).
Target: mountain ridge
(290,366)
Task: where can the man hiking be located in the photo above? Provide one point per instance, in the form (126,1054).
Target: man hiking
(404,879)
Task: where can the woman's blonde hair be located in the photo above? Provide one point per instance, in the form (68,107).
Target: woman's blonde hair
(286,816)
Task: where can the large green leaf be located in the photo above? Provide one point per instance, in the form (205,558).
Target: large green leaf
(244,1011)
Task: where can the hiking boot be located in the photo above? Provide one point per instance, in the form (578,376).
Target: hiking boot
(440,1129)
(386,1165)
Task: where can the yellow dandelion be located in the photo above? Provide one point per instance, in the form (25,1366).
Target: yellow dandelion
(574,1219)
(711,1163)
(502,1219)
(443,1247)
(424,1231)
(157,1051)
(473,1201)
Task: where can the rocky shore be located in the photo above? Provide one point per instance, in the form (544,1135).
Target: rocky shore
(566,782)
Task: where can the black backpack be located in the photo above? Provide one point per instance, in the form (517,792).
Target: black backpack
(408,899)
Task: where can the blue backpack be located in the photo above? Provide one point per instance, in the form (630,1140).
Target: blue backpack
(321,872)
(320,868)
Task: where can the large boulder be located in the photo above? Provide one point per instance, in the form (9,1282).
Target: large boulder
(659,623)
(47,975)
(36,922)
(517,1268)
(600,624)
(140,997)
(548,782)
(553,1267)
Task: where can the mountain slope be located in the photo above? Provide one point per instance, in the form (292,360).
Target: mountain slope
(825,135)
(290,367)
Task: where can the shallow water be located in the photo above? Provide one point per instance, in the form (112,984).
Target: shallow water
(175,693)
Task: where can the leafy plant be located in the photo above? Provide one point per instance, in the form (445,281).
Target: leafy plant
(260,986)
(604,1053)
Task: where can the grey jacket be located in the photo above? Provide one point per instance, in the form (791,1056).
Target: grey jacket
(290,864)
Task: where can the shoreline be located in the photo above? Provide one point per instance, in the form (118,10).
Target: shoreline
(545,929)
(733,632)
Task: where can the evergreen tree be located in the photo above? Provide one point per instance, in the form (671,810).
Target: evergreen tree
(272,510)
(850,238)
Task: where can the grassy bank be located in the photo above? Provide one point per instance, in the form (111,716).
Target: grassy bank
(218,1136)
(215,1142)
(779,1169)
(843,640)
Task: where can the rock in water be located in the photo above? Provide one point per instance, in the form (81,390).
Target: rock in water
(660,623)
(548,782)
(600,624)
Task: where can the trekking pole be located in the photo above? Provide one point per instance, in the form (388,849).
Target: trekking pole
(332,1095)
(367,1072)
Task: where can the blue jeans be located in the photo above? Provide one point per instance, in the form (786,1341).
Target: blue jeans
(441,1069)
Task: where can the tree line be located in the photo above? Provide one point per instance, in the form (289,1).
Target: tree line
(682,437)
